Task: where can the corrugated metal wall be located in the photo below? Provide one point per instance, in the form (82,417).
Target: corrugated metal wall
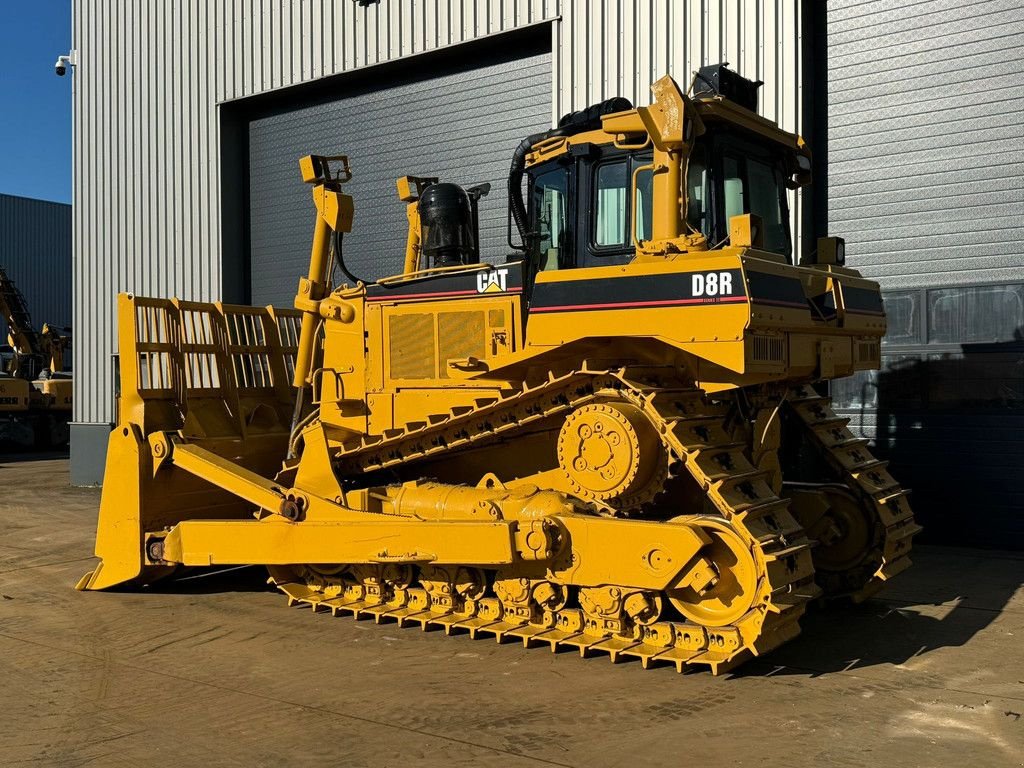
(35,251)
(464,136)
(926,104)
(150,76)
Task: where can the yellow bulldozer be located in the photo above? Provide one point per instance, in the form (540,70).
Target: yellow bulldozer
(35,390)
(614,439)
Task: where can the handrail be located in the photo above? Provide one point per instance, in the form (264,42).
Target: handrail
(469,268)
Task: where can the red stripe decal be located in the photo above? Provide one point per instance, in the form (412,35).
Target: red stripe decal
(401,296)
(665,303)
(775,303)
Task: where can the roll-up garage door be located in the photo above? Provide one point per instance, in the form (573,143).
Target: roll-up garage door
(460,123)
(925,182)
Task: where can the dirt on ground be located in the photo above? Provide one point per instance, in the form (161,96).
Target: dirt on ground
(215,670)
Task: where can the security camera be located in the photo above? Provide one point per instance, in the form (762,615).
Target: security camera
(63,62)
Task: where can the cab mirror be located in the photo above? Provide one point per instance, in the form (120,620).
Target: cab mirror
(831,250)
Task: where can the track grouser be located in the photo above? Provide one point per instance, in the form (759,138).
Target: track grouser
(614,438)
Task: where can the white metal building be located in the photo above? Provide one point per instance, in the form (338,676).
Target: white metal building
(189,119)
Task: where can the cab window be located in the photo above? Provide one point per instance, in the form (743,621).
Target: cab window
(550,206)
(698,209)
(614,226)
(644,204)
(732,188)
(752,185)
(765,201)
(612,189)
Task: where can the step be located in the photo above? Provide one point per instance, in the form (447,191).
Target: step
(737,477)
(867,466)
(792,549)
(756,509)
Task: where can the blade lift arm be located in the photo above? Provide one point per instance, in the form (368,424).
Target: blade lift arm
(334,210)
(416,523)
(21,335)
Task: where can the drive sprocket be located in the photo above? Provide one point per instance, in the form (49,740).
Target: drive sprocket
(611,454)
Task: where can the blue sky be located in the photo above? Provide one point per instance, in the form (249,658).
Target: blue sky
(35,104)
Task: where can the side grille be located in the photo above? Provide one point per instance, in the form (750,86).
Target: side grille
(868,351)
(412,346)
(460,335)
(768,349)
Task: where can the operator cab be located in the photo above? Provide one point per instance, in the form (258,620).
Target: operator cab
(580,207)
(6,358)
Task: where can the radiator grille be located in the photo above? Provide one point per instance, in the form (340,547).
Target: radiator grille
(460,335)
(867,351)
(412,346)
(768,349)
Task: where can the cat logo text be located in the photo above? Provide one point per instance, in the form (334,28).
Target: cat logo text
(492,281)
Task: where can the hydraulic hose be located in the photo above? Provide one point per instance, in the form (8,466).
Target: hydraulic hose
(517,205)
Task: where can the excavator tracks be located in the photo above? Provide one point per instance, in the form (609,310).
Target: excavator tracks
(884,506)
(764,573)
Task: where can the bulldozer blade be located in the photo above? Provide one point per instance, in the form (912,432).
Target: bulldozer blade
(214,375)
(136,501)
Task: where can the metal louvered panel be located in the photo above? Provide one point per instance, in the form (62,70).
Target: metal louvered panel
(412,345)
(460,335)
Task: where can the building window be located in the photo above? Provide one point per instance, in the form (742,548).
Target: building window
(976,314)
(948,349)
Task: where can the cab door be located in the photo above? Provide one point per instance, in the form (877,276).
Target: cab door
(606,216)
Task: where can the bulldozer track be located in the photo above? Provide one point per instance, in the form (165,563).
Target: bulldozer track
(747,515)
(883,500)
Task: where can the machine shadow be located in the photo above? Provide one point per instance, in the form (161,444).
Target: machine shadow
(242,578)
(19,455)
(840,637)
(946,423)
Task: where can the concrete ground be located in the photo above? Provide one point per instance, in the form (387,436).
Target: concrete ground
(216,671)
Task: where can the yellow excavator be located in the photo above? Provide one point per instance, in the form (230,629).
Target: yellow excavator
(614,439)
(35,390)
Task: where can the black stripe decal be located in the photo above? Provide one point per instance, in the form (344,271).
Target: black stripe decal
(504,278)
(862,301)
(777,290)
(678,289)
